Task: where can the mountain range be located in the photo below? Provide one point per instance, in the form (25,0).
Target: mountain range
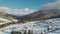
(38,15)
(7,19)
(42,15)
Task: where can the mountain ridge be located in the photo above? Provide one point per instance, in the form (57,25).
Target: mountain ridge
(42,15)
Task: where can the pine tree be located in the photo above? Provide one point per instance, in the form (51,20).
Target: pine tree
(30,32)
(24,32)
(48,29)
(12,32)
(18,32)
(41,33)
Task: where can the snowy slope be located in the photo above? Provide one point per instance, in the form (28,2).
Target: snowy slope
(3,21)
(21,27)
(36,26)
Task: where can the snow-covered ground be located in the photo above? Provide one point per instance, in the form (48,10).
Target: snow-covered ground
(36,26)
(3,21)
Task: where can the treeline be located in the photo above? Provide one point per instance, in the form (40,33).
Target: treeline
(31,31)
(6,24)
(25,32)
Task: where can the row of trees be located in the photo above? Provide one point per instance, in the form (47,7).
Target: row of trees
(29,32)
(25,32)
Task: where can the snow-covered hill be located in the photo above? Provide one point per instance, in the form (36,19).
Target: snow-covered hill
(36,26)
(3,21)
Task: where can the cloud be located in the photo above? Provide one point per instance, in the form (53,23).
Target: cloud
(54,5)
(18,12)
(22,11)
(4,9)
(26,9)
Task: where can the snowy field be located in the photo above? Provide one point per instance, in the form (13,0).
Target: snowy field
(36,26)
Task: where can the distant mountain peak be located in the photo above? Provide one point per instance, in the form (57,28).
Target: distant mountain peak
(3,13)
